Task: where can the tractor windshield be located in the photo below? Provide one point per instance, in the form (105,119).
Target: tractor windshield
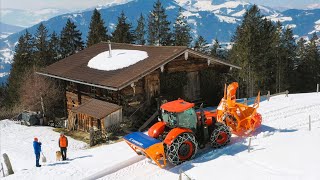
(188,119)
(169,118)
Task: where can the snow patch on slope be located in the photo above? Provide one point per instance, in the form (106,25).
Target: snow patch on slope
(4,74)
(7,55)
(240,13)
(278,17)
(227,19)
(188,14)
(120,59)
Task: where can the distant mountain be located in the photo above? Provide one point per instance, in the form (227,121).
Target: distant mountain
(27,18)
(211,19)
(7,29)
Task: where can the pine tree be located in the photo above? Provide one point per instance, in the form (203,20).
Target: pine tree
(253,51)
(201,45)
(182,35)
(301,50)
(289,55)
(97,31)
(54,48)
(299,66)
(213,51)
(122,32)
(71,41)
(140,31)
(310,66)
(23,61)
(158,26)
(41,44)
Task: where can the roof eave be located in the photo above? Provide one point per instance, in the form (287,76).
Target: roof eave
(76,81)
(213,59)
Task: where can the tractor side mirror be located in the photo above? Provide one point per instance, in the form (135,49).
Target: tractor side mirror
(201,106)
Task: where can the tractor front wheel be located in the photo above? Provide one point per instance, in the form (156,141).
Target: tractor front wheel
(183,148)
(220,135)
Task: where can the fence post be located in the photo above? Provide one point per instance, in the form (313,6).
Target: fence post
(2,169)
(287,92)
(309,123)
(91,141)
(245,101)
(317,88)
(183,175)
(249,146)
(7,163)
(268,96)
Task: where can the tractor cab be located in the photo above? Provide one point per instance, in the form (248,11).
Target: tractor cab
(179,113)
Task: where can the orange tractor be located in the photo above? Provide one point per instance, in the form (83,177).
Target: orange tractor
(182,131)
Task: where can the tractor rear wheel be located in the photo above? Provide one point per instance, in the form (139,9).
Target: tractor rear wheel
(220,135)
(183,148)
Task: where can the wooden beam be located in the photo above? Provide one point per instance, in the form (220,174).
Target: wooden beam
(134,88)
(186,55)
(162,68)
(208,60)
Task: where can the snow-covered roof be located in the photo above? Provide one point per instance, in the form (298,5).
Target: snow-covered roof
(117,59)
(128,64)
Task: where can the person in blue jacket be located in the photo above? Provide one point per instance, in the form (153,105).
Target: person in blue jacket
(37,150)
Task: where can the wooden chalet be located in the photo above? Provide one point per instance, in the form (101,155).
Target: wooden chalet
(100,98)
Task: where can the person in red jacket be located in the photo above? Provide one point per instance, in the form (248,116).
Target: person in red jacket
(63,144)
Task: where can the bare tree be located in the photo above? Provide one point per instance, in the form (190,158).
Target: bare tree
(39,93)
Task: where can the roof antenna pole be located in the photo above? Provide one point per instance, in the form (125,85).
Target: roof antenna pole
(110,54)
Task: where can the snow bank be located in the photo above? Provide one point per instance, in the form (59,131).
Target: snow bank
(120,59)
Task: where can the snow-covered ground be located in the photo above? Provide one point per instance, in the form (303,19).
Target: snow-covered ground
(16,141)
(283,148)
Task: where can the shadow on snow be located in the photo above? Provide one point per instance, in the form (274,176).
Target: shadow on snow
(237,145)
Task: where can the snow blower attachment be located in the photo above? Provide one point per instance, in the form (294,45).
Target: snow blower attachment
(241,118)
(179,134)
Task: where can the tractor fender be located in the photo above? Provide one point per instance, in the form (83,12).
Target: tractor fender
(174,133)
(156,129)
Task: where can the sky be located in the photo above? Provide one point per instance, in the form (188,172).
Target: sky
(61,4)
(298,4)
(83,4)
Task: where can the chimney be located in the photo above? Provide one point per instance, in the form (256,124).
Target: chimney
(109,44)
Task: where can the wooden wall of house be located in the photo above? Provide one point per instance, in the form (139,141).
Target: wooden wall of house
(152,86)
(132,97)
(74,100)
(190,65)
(111,123)
(84,122)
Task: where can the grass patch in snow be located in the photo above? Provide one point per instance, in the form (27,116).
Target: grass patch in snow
(78,135)
(85,137)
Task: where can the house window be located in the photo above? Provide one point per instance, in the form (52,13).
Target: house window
(71,86)
(104,92)
(93,90)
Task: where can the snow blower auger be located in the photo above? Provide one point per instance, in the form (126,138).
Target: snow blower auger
(179,134)
(241,118)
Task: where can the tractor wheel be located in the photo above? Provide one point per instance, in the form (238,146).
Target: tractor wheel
(220,135)
(183,148)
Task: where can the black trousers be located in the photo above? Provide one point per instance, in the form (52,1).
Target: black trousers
(37,159)
(64,153)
